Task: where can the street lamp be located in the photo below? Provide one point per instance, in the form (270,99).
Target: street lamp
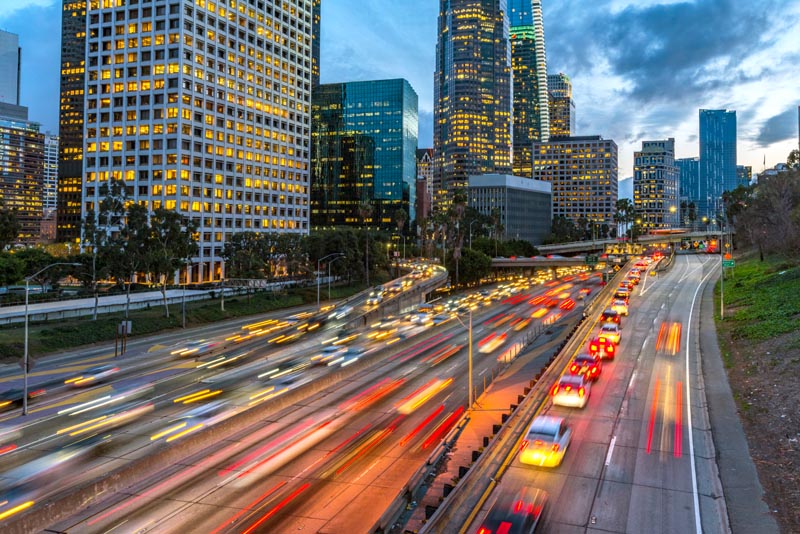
(332,254)
(25,354)
(329,274)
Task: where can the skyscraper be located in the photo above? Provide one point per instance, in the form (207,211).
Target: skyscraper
(562,107)
(10,65)
(49,187)
(717,159)
(529,68)
(70,119)
(655,185)
(364,141)
(472,94)
(584,172)
(21,174)
(204,110)
(689,187)
(316,35)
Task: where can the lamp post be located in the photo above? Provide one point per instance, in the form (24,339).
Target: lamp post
(320,261)
(329,273)
(25,353)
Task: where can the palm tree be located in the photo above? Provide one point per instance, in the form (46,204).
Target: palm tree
(625,214)
(365,209)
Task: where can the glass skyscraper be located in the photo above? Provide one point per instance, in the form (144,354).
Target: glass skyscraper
(655,185)
(717,159)
(562,106)
(364,141)
(529,67)
(472,95)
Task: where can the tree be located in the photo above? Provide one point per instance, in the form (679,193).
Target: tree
(474,265)
(12,269)
(793,161)
(9,226)
(562,230)
(171,242)
(128,248)
(625,213)
(245,256)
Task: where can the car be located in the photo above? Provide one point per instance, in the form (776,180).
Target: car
(626,284)
(517,510)
(396,287)
(92,376)
(603,347)
(584,292)
(441,318)
(571,391)
(546,441)
(620,306)
(622,294)
(374,298)
(331,352)
(586,365)
(419,318)
(611,332)
(13,397)
(341,313)
(610,315)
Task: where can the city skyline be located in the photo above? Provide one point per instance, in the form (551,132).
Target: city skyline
(648,85)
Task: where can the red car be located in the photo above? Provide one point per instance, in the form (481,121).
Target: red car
(603,348)
(586,365)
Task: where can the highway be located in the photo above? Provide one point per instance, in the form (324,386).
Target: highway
(641,457)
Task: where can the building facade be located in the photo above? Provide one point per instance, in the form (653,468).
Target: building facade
(425,174)
(49,187)
(562,106)
(364,142)
(655,185)
(584,174)
(744,174)
(22,174)
(717,159)
(10,68)
(316,36)
(472,95)
(70,120)
(531,111)
(689,189)
(524,205)
(204,110)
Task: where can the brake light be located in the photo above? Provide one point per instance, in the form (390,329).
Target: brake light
(593,370)
(555,447)
(484,531)
(610,349)
(593,347)
(581,392)
(524,445)
(554,390)
(574,368)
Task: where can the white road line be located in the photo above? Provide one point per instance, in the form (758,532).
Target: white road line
(697,523)
(479,374)
(610,450)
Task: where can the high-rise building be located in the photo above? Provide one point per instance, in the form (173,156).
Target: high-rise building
(744,174)
(472,95)
(70,118)
(21,174)
(425,173)
(49,187)
(583,172)
(717,159)
(562,106)
(364,142)
(10,67)
(689,187)
(655,185)
(523,205)
(316,35)
(529,67)
(202,110)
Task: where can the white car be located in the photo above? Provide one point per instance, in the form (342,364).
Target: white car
(546,442)
(571,391)
(611,332)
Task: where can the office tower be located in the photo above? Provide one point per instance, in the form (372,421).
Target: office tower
(583,172)
(472,95)
(425,168)
(717,159)
(70,119)
(49,187)
(744,173)
(21,174)
(202,109)
(689,188)
(524,205)
(316,35)
(10,65)
(562,106)
(364,142)
(655,185)
(529,74)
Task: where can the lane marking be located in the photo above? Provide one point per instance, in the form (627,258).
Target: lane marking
(610,450)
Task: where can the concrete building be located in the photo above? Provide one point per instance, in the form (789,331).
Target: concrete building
(717,159)
(49,187)
(364,142)
(524,204)
(10,68)
(655,185)
(531,111)
(202,112)
(562,106)
(472,95)
(425,174)
(21,175)
(584,173)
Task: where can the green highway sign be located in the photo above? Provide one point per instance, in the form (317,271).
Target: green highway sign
(728,263)
(591,259)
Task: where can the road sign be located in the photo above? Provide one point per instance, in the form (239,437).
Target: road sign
(728,263)
(591,259)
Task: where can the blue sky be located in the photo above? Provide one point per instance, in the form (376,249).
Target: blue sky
(641,69)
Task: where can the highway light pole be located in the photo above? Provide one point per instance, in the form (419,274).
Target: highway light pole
(329,274)
(331,255)
(25,353)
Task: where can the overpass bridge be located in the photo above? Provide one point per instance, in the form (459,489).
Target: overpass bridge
(599,245)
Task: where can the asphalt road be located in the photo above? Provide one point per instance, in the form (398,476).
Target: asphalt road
(641,458)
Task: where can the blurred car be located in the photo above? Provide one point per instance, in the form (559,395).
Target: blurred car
(626,284)
(584,292)
(586,365)
(622,294)
(331,352)
(620,306)
(13,397)
(515,512)
(611,332)
(441,318)
(395,287)
(374,299)
(546,442)
(571,391)
(341,313)
(92,376)
(610,315)
(602,347)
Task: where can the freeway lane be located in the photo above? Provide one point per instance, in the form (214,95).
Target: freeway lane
(641,458)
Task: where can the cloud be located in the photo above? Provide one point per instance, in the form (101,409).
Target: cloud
(9,7)
(778,128)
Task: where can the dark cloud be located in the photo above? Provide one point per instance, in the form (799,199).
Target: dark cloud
(778,128)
